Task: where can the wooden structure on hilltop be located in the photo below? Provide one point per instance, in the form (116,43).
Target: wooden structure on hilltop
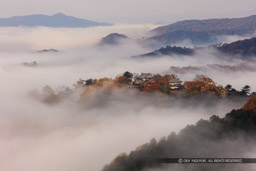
(175,84)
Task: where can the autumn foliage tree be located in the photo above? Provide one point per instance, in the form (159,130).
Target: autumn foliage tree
(250,104)
(105,82)
(203,84)
(122,81)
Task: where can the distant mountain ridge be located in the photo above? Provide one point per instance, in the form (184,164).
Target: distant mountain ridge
(203,31)
(213,25)
(244,48)
(56,20)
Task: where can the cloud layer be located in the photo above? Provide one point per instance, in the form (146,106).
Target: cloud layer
(86,135)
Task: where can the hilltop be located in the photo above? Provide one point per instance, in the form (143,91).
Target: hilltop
(168,85)
(113,39)
(168,51)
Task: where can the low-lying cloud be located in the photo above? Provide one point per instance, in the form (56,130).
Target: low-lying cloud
(86,135)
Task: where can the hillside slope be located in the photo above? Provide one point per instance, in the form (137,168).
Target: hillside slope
(231,136)
(245,47)
(203,31)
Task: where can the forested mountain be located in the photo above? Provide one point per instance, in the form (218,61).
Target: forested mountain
(244,48)
(203,31)
(231,136)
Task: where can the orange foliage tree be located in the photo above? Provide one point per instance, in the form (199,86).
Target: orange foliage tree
(203,84)
(122,81)
(250,104)
(105,82)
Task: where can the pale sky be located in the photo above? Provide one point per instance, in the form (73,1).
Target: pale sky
(131,11)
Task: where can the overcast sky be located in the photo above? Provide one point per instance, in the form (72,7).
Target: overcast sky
(131,11)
